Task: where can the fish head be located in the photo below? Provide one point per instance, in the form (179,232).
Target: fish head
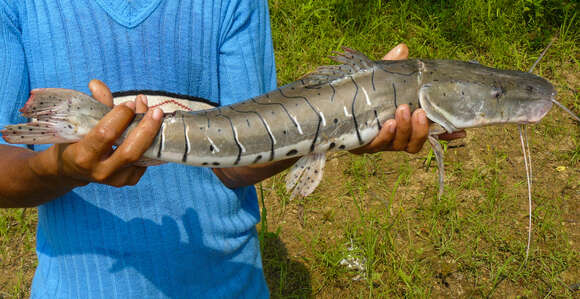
(460,95)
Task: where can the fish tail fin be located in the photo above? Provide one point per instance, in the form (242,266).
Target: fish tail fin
(56,116)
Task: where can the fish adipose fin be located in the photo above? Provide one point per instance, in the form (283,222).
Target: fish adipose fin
(305,175)
(351,61)
(55,115)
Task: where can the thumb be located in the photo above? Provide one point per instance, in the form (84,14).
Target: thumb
(400,52)
(101,92)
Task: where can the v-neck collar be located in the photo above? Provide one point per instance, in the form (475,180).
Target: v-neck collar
(129,13)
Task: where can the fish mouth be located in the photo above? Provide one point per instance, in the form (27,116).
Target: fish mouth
(540,110)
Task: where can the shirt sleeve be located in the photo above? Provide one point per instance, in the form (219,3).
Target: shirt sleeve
(246,57)
(14,83)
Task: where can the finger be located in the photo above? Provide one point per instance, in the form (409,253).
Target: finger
(420,130)
(403,132)
(385,136)
(400,52)
(138,141)
(101,138)
(382,141)
(141,104)
(101,92)
(454,135)
(127,176)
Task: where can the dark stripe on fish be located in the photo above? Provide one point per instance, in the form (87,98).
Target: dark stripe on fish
(184,158)
(360,141)
(161,140)
(265,127)
(283,107)
(235,139)
(313,109)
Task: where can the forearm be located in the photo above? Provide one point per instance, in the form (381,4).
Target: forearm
(249,175)
(25,181)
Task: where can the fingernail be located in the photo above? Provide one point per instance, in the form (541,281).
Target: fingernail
(391,126)
(406,113)
(144,99)
(157,114)
(422,118)
(130,104)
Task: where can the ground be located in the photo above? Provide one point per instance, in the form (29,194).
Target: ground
(382,210)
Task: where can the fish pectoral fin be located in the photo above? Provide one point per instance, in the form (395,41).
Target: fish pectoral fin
(433,138)
(305,175)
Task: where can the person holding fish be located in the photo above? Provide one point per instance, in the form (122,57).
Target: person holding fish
(107,227)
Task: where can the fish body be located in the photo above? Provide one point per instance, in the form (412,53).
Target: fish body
(337,107)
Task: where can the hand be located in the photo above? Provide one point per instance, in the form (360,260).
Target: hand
(406,132)
(93,159)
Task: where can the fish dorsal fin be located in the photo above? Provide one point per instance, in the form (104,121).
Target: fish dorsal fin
(352,61)
(305,175)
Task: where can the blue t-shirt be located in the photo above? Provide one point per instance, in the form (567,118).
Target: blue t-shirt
(179,232)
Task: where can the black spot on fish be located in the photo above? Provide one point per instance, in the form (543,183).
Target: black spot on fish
(41,103)
(331,146)
(316,171)
(201,128)
(215,163)
(204,163)
(444,94)
(336,120)
(342,147)
(530,88)
(219,130)
(69,126)
(257,158)
(285,132)
(292,152)
(211,148)
(29,129)
(19,128)
(462,93)
(319,93)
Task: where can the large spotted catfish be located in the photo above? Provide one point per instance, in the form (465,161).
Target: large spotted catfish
(337,107)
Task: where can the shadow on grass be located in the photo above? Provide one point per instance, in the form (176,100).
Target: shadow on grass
(286,278)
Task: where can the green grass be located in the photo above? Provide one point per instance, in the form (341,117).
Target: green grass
(473,241)
(383,208)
